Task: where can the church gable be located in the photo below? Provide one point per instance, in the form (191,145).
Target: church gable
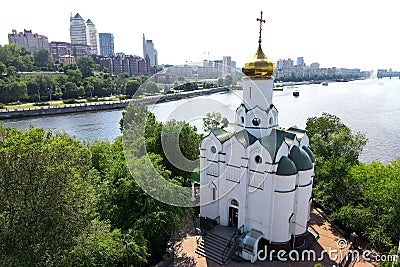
(301,136)
(234,152)
(258,118)
(210,146)
(259,158)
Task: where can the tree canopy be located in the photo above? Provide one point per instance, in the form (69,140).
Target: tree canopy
(360,197)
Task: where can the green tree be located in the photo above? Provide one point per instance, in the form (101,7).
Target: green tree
(45,196)
(211,120)
(70,90)
(42,58)
(97,245)
(220,81)
(132,86)
(228,81)
(336,149)
(74,76)
(151,88)
(85,65)
(125,204)
(331,138)
(374,208)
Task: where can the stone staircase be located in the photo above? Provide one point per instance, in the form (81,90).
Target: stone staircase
(217,245)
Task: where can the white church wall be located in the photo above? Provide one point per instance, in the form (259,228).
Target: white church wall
(257,93)
(282,151)
(206,147)
(209,172)
(285,183)
(234,152)
(282,211)
(258,211)
(240,118)
(236,191)
(305,141)
(303,195)
(274,115)
(255,151)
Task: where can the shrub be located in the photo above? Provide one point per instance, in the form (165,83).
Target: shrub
(69,101)
(41,104)
(92,99)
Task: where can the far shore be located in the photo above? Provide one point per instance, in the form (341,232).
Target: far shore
(34,111)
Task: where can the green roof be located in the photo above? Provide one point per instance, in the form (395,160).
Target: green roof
(195,176)
(310,153)
(298,132)
(286,167)
(245,138)
(273,142)
(289,138)
(300,158)
(221,134)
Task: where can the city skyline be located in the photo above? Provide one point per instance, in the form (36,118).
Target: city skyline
(337,34)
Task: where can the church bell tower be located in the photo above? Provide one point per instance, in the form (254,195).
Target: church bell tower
(257,114)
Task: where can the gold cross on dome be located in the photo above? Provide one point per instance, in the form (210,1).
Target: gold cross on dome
(261,20)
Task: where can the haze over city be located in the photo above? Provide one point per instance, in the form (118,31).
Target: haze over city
(342,33)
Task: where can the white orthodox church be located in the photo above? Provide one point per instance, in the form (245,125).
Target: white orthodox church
(258,177)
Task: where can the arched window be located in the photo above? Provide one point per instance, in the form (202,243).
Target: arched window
(234,202)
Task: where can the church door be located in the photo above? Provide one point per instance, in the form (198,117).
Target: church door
(233,216)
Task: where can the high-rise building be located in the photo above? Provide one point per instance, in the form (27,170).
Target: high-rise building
(77,30)
(92,37)
(150,52)
(226,65)
(300,62)
(28,40)
(106,41)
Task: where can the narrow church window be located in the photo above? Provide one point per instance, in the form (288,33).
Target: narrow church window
(213,149)
(214,194)
(258,159)
(271,120)
(242,118)
(256,121)
(250,91)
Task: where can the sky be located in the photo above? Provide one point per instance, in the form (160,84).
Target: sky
(340,33)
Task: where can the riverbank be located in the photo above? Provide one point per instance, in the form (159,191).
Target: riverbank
(88,107)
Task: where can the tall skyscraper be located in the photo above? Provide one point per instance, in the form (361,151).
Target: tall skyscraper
(77,30)
(106,41)
(300,62)
(226,65)
(92,37)
(150,52)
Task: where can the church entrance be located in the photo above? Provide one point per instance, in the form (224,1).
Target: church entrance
(233,216)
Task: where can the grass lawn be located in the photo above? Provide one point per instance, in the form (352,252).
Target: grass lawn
(58,103)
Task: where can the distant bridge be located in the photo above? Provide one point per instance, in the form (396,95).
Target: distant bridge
(383,73)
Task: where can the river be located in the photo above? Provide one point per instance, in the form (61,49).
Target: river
(369,106)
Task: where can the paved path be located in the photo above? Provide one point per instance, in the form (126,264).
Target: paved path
(329,235)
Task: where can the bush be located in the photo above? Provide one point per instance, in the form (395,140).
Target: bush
(122,97)
(92,99)
(41,104)
(69,101)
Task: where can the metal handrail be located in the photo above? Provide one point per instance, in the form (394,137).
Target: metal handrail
(235,235)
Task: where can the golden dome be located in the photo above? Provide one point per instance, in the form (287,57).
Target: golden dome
(260,67)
